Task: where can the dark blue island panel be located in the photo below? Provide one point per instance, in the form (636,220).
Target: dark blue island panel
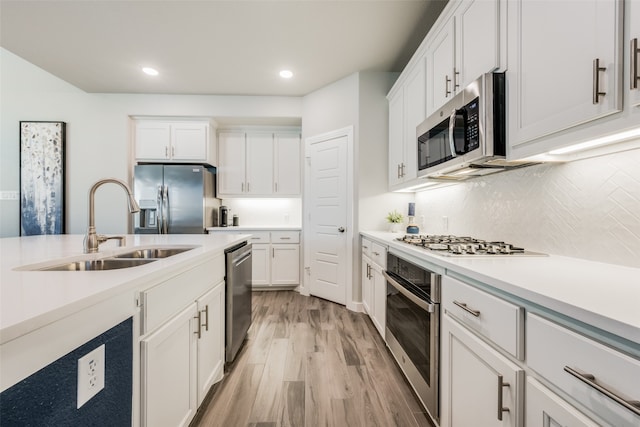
(49,397)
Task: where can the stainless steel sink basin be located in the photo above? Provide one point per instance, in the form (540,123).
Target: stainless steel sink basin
(153,253)
(98,265)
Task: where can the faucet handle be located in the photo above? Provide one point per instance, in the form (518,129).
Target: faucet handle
(122,240)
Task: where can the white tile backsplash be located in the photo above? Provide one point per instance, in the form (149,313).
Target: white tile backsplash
(266,212)
(586,209)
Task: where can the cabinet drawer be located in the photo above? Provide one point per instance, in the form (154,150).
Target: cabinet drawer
(366,247)
(160,302)
(492,317)
(553,350)
(379,255)
(285,237)
(260,236)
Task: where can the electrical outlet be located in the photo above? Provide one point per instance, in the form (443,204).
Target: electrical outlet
(90,375)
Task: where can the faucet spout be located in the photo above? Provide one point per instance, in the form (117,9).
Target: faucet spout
(92,240)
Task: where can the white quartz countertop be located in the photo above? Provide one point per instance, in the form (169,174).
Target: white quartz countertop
(243,228)
(32,299)
(605,296)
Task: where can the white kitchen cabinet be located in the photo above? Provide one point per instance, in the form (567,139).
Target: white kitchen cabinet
(374,285)
(211,351)
(480,387)
(546,409)
(559,75)
(275,257)
(259,172)
(285,264)
(633,10)
(258,164)
(182,343)
(287,165)
(406,112)
(260,264)
(182,141)
(467,45)
(442,82)
(169,372)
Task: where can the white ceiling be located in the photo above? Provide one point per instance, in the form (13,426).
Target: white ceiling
(214,47)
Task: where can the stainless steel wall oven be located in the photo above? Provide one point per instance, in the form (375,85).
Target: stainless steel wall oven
(413,326)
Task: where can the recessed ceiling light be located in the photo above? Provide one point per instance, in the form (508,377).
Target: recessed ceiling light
(286,74)
(150,71)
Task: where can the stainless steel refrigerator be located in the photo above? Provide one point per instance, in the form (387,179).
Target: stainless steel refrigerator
(175,199)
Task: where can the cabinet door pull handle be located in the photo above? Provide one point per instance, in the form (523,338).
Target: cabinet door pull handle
(590,380)
(368,271)
(273,252)
(398,170)
(463,306)
(248,187)
(633,60)
(199,319)
(447,82)
(173,151)
(166,152)
(596,80)
(402,174)
(456,85)
(376,253)
(501,409)
(276,185)
(206,317)
(285,238)
(242,188)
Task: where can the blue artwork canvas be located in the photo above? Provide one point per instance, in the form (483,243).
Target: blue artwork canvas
(42,161)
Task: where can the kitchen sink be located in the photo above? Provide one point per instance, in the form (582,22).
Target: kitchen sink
(98,264)
(153,253)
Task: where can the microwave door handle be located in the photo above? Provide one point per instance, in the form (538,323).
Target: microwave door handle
(452,124)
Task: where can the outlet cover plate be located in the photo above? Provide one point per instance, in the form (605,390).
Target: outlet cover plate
(90,375)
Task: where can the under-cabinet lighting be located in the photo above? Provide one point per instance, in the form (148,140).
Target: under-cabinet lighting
(618,137)
(150,71)
(286,74)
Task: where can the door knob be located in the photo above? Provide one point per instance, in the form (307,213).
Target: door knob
(341,229)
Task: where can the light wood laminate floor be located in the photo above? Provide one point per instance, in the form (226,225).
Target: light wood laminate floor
(309,362)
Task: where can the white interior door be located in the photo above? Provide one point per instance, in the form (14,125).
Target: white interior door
(328,225)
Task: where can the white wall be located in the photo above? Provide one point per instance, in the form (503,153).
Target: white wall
(586,209)
(98,135)
(285,212)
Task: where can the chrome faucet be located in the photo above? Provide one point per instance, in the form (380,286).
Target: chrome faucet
(92,240)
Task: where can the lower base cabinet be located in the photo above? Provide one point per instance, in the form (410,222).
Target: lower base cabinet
(546,409)
(480,387)
(211,314)
(169,358)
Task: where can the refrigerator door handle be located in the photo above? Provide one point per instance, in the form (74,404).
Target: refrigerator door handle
(160,214)
(165,210)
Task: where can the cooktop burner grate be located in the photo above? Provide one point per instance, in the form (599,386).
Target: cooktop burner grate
(458,246)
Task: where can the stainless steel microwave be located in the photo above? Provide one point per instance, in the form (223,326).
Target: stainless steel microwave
(466,137)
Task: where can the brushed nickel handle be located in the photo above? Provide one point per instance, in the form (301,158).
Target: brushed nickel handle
(242,188)
(173,151)
(248,187)
(285,238)
(166,152)
(501,409)
(341,229)
(273,252)
(199,319)
(402,174)
(276,184)
(365,247)
(452,125)
(368,271)
(596,80)
(633,60)
(398,170)
(456,85)
(206,317)
(590,380)
(463,306)
(447,82)
(376,253)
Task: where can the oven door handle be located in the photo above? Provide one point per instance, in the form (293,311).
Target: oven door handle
(430,308)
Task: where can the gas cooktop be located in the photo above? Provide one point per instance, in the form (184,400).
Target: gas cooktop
(464,246)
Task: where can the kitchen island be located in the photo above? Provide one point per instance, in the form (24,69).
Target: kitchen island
(44,315)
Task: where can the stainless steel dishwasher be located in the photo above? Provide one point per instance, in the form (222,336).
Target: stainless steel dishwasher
(238,290)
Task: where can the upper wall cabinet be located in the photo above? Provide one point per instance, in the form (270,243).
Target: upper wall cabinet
(406,112)
(258,164)
(633,10)
(465,45)
(564,68)
(174,141)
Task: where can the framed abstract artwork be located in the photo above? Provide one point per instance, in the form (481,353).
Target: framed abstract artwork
(42,178)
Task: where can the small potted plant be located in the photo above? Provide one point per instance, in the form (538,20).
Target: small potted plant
(395,220)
